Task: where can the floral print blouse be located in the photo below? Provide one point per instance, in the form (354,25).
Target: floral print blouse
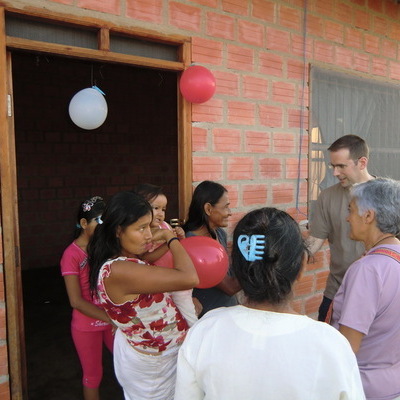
(152,322)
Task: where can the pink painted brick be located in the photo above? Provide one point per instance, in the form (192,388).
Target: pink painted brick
(379,66)
(353,38)
(240,168)
(210,111)
(221,26)
(264,9)
(344,57)
(292,168)
(323,51)
(233,193)
(270,116)
(199,139)
(240,58)
(207,168)
(283,92)
(235,6)
(278,39)
(270,168)
(334,32)
(109,7)
(184,16)
(254,194)
(372,44)
(361,62)
(206,51)
(251,33)
(257,142)
(145,10)
(227,83)
(226,140)
(283,143)
(241,113)
(282,193)
(271,64)
(290,17)
(255,88)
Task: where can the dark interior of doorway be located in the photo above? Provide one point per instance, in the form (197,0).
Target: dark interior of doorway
(59,165)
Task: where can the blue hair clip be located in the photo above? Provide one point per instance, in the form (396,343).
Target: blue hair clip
(252,247)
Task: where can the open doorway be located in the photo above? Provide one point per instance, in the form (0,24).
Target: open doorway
(59,165)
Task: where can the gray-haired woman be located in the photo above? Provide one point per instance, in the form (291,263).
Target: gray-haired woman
(366,307)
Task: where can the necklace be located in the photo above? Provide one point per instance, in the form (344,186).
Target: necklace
(381,240)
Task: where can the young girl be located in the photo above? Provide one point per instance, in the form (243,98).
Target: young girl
(135,296)
(190,307)
(90,325)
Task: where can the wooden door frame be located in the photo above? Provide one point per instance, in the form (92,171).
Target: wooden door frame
(8,181)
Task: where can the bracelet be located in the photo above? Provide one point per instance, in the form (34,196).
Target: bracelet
(170,240)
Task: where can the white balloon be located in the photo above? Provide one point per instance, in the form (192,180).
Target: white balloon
(88,109)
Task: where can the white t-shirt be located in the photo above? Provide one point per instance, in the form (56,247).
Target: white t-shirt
(239,353)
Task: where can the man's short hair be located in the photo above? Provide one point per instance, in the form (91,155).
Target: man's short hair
(357,146)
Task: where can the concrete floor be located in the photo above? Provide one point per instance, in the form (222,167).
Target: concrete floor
(54,371)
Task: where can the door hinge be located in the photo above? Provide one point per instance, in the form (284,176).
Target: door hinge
(9,113)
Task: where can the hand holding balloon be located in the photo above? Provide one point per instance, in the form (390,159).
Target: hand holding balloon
(209,258)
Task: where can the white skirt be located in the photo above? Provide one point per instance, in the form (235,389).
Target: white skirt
(142,376)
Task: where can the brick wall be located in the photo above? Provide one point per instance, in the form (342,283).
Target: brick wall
(249,135)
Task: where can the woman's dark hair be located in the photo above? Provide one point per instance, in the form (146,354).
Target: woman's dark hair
(148,191)
(123,209)
(269,279)
(88,209)
(205,192)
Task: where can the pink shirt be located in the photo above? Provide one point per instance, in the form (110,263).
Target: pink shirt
(74,262)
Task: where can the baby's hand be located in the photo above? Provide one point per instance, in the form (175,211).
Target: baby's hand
(179,232)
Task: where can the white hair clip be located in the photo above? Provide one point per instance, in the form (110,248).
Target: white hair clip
(252,247)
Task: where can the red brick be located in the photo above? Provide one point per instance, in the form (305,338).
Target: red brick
(5,391)
(226,140)
(271,64)
(334,32)
(381,25)
(62,2)
(394,32)
(372,44)
(255,88)
(145,10)
(362,19)
(394,70)
(184,16)
(240,168)
(297,118)
(257,142)
(296,69)
(270,168)
(389,48)
(207,168)
(254,194)
(304,286)
(227,83)
(392,10)
(301,47)
(361,62)
(241,113)
(344,13)
(325,7)
(376,5)
(233,193)
(283,143)
(278,39)
(353,38)
(264,9)
(292,168)
(282,193)
(312,304)
(283,92)
(315,25)
(207,3)
(210,111)
(240,58)
(199,139)
(109,7)
(379,66)
(270,116)
(206,51)
(297,306)
(320,282)
(221,26)
(344,57)
(235,6)
(323,51)
(290,17)
(251,33)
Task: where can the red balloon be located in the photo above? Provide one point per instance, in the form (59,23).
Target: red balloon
(197,84)
(209,258)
